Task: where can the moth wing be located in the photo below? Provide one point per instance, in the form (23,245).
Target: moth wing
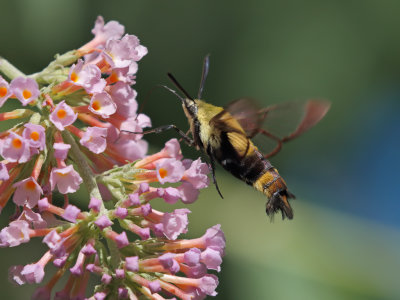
(270,127)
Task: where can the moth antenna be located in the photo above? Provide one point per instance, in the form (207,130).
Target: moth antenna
(173,92)
(204,73)
(173,79)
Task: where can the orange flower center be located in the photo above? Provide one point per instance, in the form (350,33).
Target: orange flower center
(162,172)
(3,91)
(61,113)
(17,143)
(96,105)
(113,77)
(74,77)
(27,94)
(30,185)
(35,135)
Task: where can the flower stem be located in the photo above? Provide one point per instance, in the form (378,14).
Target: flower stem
(9,70)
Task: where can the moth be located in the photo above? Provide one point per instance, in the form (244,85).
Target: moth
(242,136)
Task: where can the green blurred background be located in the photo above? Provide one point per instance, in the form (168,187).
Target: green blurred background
(344,241)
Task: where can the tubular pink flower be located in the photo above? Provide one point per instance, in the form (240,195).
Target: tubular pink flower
(188,192)
(130,149)
(196,271)
(25,89)
(35,219)
(15,148)
(125,99)
(33,273)
(61,150)
(103,32)
(52,239)
(170,195)
(36,135)
(192,257)
(215,238)
(197,174)
(132,263)
(172,149)
(121,212)
(87,76)
(103,222)
(66,179)
(4,172)
(169,170)
(121,53)
(212,259)
(62,116)
(71,213)
(5,91)
(27,192)
(101,104)
(94,139)
(95,204)
(15,234)
(175,223)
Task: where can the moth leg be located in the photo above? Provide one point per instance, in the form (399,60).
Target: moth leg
(160,129)
(187,134)
(212,163)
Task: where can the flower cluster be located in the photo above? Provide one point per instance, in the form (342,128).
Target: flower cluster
(79,125)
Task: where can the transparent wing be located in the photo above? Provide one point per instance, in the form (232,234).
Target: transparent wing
(270,127)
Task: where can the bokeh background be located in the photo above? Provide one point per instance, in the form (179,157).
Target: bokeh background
(344,241)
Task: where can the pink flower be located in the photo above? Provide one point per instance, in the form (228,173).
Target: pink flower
(175,223)
(170,195)
(192,257)
(87,76)
(94,139)
(71,212)
(111,30)
(143,121)
(172,149)
(208,284)
(33,218)
(131,149)
(197,174)
(15,148)
(168,262)
(66,179)
(120,53)
(121,212)
(95,204)
(33,273)
(196,271)
(132,263)
(25,89)
(36,135)
(101,104)
(169,170)
(215,238)
(61,150)
(16,233)
(125,99)
(122,240)
(189,194)
(63,116)
(27,192)
(5,91)
(52,239)
(3,172)
(212,259)
(103,222)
